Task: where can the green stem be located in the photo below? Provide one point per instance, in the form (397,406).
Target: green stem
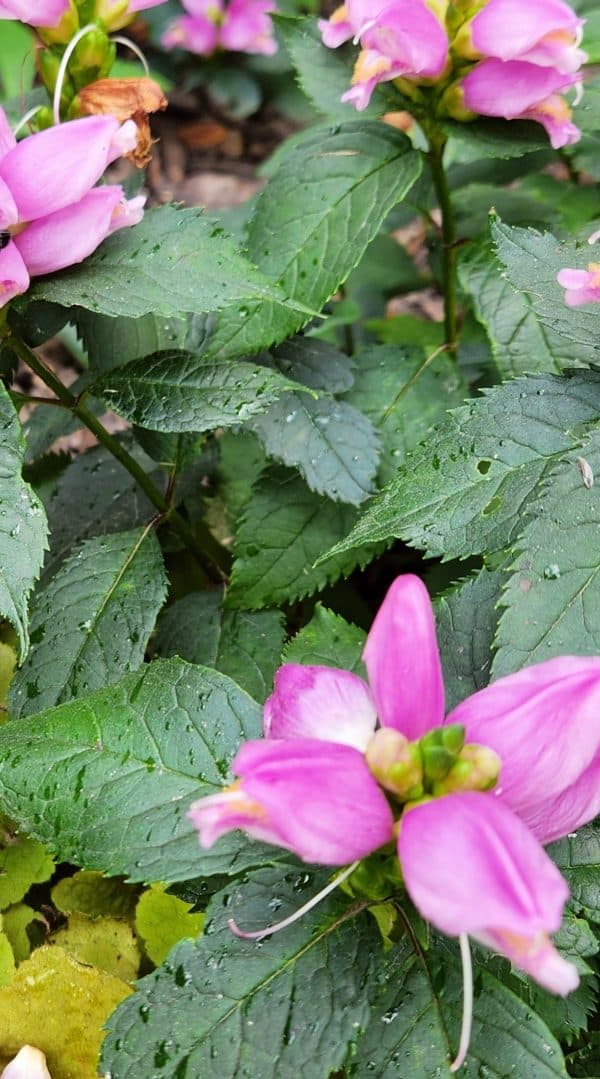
(198,539)
(437,143)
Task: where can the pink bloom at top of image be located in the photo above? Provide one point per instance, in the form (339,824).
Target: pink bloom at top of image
(237,26)
(471,858)
(582,286)
(516,90)
(36,13)
(544,32)
(51,215)
(399,39)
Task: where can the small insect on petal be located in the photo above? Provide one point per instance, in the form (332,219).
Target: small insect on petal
(587,473)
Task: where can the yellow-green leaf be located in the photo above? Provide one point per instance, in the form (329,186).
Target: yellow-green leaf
(161,920)
(105,943)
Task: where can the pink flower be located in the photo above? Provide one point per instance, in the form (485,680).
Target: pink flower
(544,32)
(517,90)
(399,39)
(38,13)
(583,286)
(470,856)
(239,26)
(51,215)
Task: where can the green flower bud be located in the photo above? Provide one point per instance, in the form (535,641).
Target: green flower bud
(437,761)
(396,763)
(453,737)
(369,880)
(66,29)
(92,58)
(477,769)
(48,61)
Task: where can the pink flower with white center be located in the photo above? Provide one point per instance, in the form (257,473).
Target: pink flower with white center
(544,32)
(399,39)
(582,286)
(51,215)
(470,855)
(38,13)
(517,90)
(238,26)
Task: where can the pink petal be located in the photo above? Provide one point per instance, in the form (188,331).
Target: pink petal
(14,278)
(315,798)
(57,167)
(69,235)
(9,215)
(409,34)
(471,866)
(320,702)
(41,13)
(511,29)
(402,658)
(7,139)
(196,34)
(29,1063)
(558,815)
(574,278)
(544,723)
(494,88)
(335,33)
(247,27)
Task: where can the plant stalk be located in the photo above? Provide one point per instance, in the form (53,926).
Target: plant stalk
(437,144)
(199,539)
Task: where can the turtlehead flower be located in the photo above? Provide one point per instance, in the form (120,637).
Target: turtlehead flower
(399,39)
(544,32)
(237,26)
(51,215)
(29,1063)
(518,90)
(582,286)
(38,13)
(470,850)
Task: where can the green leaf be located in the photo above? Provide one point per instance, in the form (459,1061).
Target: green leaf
(284,529)
(178,391)
(532,260)
(520,342)
(23,862)
(23,526)
(17,63)
(466,489)
(404,393)
(331,443)
(15,923)
(105,943)
(327,201)
(494,138)
(106,779)
(414,1024)
(245,645)
(161,920)
(552,599)
(112,342)
(286,1008)
(578,858)
(91,623)
(466,620)
(313,363)
(328,640)
(174,261)
(96,495)
(323,74)
(94,894)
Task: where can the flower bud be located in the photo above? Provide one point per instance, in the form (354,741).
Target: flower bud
(440,749)
(62,33)
(369,880)
(477,769)
(396,763)
(92,58)
(48,63)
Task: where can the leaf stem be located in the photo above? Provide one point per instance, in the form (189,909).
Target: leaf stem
(199,539)
(435,156)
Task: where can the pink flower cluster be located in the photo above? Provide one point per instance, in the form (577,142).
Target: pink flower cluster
(236,26)
(470,851)
(523,56)
(51,215)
